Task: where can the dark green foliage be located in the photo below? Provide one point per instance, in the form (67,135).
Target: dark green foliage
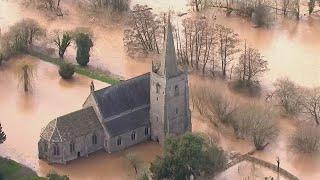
(311,5)
(94,74)
(262,16)
(63,43)
(11,170)
(55,176)
(1,58)
(84,44)
(66,70)
(3,136)
(144,176)
(187,156)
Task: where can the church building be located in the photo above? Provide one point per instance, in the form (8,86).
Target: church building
(152,106)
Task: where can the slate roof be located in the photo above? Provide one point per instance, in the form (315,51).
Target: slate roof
(70,126)
(125,96)
(128,122)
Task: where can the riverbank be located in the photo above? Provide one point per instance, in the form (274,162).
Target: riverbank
(94,74)
(11,170)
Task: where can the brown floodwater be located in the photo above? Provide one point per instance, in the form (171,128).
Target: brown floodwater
(247,170)
(291,48)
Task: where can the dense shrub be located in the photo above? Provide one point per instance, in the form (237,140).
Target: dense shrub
(213,101)
(84,44)
(189,155)
(306,139)
(255,121)
(19,37)
(55,176)
(261,16)
(66,71)
(247,88)
(289,96)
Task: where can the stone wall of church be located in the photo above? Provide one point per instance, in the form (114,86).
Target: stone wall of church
(169,106)
(82,146)
(127,140)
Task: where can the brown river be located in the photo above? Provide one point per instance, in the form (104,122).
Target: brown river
(291,48)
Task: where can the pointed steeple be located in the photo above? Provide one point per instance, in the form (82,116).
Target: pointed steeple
(169,67)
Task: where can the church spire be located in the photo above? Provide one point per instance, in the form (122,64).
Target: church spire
(169,67)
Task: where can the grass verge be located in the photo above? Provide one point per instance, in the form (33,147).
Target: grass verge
(78,69)
(11,170)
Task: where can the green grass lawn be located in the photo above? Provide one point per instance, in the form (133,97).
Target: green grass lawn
(78,69)
(11,170)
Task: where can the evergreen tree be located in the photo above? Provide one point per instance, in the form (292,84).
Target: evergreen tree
(84,44)
(186,157)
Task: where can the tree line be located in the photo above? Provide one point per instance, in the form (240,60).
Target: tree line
(248,8)
(203,45)
(21,37)
(256,120)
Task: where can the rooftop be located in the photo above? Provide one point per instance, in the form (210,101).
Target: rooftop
(70,126)
(124,96)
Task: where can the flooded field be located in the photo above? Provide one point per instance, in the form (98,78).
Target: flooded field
(291,48)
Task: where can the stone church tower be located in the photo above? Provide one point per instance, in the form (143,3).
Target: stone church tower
(169,95)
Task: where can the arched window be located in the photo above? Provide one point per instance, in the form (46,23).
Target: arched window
(56,150)
(45,147)
(176,90)
(146,131)
(158,88)
(133,136)
(94,139)
(72,147)
(119,141)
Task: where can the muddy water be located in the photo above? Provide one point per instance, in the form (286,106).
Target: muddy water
(291,48)
(246,170)
(23,116)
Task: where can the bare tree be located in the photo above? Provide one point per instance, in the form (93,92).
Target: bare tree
(306,139)
(199,5)
(134,162)
(113,5)
(20,37)
(196,42)
(285,6)
(251,65)
(63,42)
(288,95)
(25,74)
(43,4)
(143,31)
(213,101)
(311,104)
(227,41)
(256,121)
(296,8)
